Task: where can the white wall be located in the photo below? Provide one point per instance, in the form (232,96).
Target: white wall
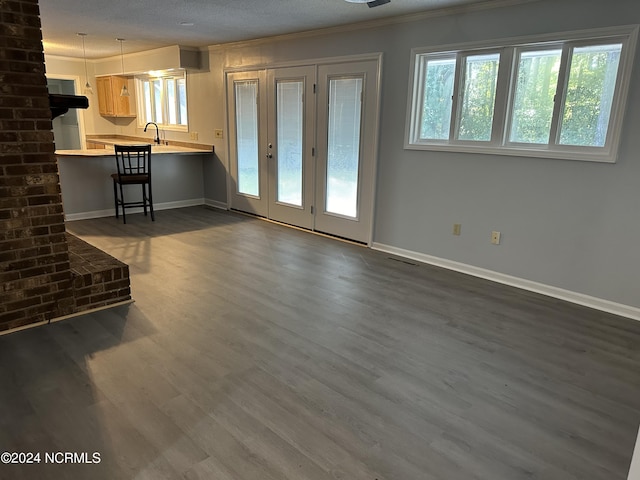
(566,224)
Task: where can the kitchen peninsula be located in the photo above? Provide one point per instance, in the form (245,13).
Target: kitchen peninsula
(87,188)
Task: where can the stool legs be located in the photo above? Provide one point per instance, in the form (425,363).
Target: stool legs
(153,218)
(124,217)
(115,196)
(147,200)
(144,198)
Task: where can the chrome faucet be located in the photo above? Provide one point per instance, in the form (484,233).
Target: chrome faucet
(157,139)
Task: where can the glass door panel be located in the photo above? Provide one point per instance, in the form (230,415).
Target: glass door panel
(347,148)
(246,108)
(343,146)
(289,119)
(248,187)
(290,133)
(303,143)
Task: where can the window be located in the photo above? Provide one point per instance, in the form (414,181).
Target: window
(545,97)
(479,81)
(162,99)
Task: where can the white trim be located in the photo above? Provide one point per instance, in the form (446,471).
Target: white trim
(359,57)
(604,156)
(627,34)
(209,202)
(549,290)
(376,148)
(70,217)
(529,40)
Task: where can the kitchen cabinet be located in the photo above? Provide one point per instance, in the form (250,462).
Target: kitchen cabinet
(110,103)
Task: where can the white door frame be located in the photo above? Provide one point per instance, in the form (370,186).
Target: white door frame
(378,56)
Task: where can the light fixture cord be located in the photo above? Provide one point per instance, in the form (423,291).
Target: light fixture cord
(84,54)
(122,55)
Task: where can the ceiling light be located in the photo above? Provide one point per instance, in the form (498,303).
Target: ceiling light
(87,86)
(370,3)
(125,91)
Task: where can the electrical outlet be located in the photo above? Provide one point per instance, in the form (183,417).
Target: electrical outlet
(218,133)
(456,228)
(495,238)
(193,135)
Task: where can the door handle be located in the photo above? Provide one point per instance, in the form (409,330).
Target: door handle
(269,155)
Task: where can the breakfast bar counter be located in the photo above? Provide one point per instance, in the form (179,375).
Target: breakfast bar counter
(87,188)
(155,149)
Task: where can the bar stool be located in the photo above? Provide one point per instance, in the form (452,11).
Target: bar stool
(134,168)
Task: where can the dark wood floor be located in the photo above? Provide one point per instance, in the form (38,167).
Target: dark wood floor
(255,351)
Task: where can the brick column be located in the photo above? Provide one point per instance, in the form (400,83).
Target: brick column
(35,278)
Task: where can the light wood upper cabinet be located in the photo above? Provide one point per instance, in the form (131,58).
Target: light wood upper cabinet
(110,103)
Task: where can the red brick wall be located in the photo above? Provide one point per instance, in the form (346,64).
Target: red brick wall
(35,278)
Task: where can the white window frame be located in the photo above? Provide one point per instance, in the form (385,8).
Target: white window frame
(165,77)
(499,143)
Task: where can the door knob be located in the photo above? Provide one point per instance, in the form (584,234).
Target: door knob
(269,155)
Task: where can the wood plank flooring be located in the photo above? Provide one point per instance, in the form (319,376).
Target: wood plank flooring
(255,351)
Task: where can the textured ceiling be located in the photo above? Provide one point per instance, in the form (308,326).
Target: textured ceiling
(147,24)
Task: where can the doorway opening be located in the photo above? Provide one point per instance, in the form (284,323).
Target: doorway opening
(66,128)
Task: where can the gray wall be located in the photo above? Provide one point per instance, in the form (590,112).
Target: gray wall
(568,224)
(87,188)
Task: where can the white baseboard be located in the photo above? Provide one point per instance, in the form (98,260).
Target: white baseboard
(216,204)
(551,291)
(156,206)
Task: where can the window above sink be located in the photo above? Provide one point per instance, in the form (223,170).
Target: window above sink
(162,99)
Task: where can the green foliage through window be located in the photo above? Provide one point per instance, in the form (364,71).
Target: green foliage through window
(478,97)
(535,90)
(592,81)
(558,96)
(436,108)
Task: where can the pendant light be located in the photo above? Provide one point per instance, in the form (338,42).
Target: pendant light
(87,86)
(125,91)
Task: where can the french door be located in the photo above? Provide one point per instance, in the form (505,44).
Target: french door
(272,143)
(347,146)
(303,145)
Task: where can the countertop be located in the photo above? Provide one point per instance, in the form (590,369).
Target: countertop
(108,150)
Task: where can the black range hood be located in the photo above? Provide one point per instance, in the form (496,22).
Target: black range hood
(60,104)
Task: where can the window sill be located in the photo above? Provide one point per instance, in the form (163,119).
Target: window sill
(599,156)
(169,128)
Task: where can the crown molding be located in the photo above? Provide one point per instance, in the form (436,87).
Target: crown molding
(400,19)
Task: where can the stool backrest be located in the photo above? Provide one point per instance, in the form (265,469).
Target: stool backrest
(133,159)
